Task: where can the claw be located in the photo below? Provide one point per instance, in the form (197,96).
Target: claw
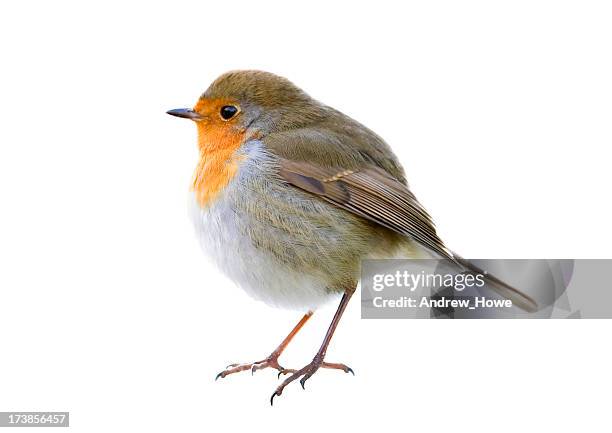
(220,375)
(284,371)
(274,394)
(350,370)
(302,382)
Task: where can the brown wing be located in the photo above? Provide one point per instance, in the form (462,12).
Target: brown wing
(371,193)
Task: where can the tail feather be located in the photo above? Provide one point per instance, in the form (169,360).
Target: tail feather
(518,298)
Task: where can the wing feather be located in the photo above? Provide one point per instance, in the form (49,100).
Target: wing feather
(370,193)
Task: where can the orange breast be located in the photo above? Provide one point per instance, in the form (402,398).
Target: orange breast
(218,161)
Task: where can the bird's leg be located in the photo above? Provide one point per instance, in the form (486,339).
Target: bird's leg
(317,361)
(270,361)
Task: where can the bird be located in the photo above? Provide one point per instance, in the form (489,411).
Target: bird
(289,196)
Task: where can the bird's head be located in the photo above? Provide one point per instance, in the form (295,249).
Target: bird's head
(249,103)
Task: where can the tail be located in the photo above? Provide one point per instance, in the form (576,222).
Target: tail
(518,298)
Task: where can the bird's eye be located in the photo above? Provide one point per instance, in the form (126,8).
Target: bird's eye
(228,111)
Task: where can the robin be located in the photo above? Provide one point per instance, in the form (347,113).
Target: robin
(289,195)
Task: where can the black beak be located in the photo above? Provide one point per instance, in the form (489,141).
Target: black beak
(186,113)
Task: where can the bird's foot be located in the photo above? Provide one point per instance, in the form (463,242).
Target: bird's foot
(306,372)
(270,362)
(330,365)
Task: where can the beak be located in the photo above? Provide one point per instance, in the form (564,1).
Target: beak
(186,113)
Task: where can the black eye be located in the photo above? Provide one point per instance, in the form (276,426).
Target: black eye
(228,111)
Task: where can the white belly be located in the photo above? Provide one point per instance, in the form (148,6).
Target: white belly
(222,237)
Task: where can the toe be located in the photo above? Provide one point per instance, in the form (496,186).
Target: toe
(337,366)
(285,371)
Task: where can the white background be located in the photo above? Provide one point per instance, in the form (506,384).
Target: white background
(500,112)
